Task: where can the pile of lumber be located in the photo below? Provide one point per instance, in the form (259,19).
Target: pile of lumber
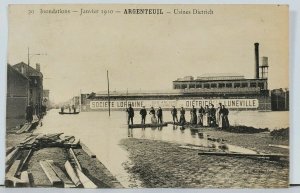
(71,176)
(15,176)
(49,140)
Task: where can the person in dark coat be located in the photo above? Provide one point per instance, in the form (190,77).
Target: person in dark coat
(130,113)
(182,116)
(174,114)
(193,113)
(36,108)
(200,116)
(153,117)
(62,109)
(29,113)
(224,116)
(143,113)
(159,115)
(212,116)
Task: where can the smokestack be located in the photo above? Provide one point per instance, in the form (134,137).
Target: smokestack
(256,49)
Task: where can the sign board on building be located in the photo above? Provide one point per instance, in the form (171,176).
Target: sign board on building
(229,103)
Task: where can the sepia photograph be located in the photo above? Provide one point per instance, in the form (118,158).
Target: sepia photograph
(147,96)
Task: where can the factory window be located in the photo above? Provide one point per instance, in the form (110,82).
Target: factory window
(237,85)
(253,84)
(261,85)
(192,86)
(184,86)
(228,85)
(198,85)
(206,86)
(177,86)
(244,84)
(213,85)
(221,85)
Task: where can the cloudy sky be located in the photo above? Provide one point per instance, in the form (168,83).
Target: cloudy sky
(146,52)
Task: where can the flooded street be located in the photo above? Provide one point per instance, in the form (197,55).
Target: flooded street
(102,133)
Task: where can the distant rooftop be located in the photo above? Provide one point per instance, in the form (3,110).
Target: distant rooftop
(213,76)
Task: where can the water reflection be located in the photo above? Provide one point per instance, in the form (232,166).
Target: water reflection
(102,134)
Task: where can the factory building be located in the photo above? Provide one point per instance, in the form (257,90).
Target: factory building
(233,90)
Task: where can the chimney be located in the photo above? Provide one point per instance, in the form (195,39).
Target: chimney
(38,67)
(256,49)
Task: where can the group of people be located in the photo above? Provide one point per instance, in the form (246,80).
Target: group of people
(32,110)
(62,109)
(207,116)
(156,116)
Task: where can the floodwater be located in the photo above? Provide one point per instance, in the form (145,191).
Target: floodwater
(102,133)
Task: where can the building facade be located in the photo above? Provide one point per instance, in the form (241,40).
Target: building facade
(35,78)
(16,97)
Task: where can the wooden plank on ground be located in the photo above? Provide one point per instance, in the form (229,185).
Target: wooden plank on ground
(86,182)
(9,149)
(72,174)
(55,181)
(87,150)
(147,125)
(24,128)
(12,181)
(67,182)
(14,168)
(24,182)
(25,161)
(11,156)
(72,154)
(271,156)
(280,146)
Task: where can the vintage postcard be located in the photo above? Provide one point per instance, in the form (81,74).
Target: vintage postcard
(147,96)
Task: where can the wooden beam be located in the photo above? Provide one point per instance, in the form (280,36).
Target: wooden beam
(25,161)
(12,181)
(55,181)
(147,125)
(86,182)
(77,164)
(14,168)
(11,157)
(271,156)
(67,182)
(72,174)
(9,149)
(24,182)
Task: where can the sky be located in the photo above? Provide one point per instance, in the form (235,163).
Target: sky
(146,52)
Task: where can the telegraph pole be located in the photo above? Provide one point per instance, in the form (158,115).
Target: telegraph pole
(108,93)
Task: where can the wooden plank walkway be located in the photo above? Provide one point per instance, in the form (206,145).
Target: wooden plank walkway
(147,125)
(270,156)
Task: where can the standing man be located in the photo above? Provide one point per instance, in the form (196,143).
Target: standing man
(212,116)
(143,114)
(193,115)
(159,115)
(174,114)
(182,116)
(130,112)
(29,113)
(218,115)
(200,116)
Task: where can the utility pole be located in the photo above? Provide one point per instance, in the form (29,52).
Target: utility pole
(108,93)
